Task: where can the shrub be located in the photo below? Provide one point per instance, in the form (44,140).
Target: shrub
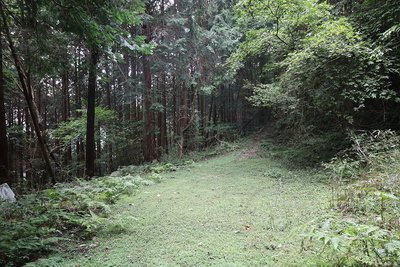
(347,243)
(35,223)
(307,151)
(365,178)
(366,190)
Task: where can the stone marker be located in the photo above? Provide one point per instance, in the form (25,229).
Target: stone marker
(6,192)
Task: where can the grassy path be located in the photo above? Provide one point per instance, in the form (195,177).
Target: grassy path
(226,211)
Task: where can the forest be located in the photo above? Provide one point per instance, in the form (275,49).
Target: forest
(92,91)
(88,86)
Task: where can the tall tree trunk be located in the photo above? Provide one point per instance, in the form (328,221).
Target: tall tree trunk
(163,115)
(188,122)
(98,153)
(135,107)
(149,146)
(28,94)
(77,107)
(127,88)
(107,87)
(65,110)
(149,150)
(91,103)
(163,142)
(4,164)
(133,77)
(202,107)
(27,167)
(178,115)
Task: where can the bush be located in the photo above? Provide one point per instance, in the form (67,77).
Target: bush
(34,224)
(366,189)
(347,243)
(27,229)
(308,151)
(366,177)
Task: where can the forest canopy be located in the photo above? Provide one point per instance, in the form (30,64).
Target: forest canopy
(88,86)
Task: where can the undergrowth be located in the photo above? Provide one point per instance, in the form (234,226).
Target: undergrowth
(363,229)
(39,223)
(221,147)
(224,211)
(365,185)
(305,151)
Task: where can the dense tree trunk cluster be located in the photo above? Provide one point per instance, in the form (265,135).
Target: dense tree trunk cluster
(89,86)
(87,95)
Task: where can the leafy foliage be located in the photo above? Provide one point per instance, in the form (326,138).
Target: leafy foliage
(305,150)
(346,243)
(111,131)
(365,184)
(97,22)
(336,74)
(34,224)
(276,28)
(322,71)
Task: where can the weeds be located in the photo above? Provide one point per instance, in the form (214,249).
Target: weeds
(347,243)
(31,226)
(34,225)
(364,182)
(366,190)
(305,150)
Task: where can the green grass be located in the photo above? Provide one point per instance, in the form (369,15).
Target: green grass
(217,212)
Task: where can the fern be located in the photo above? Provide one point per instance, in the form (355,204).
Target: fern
(30,226)
(368,245)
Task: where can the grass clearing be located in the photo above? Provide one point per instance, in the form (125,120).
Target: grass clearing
(218,212)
